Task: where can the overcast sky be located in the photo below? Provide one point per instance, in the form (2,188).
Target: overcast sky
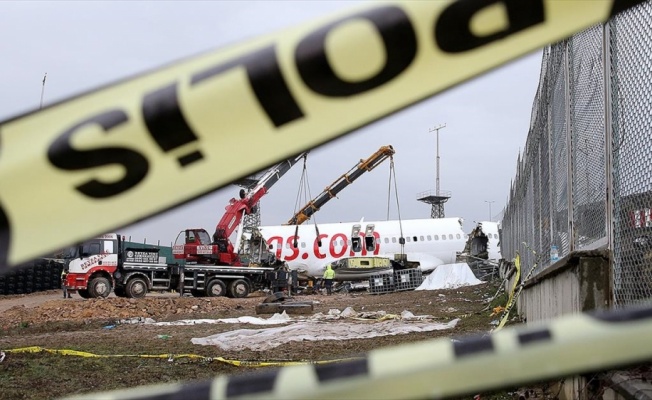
(82,45)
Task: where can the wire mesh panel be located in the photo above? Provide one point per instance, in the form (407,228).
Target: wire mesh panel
(529,215)
(536,196)
(631,88)
(587,116)
(545,184)
(591,136)
(559,153)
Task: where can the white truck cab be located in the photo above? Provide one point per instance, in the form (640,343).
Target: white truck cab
(91,264)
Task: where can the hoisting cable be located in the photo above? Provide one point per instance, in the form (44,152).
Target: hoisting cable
(389,189)
(303,188)
(392,174)
(308,195)
(301,185)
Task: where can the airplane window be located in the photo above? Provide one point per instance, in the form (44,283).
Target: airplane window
(271,247)
(287,245)
(303,245)
(429,238)
(458,236)
(450,236)
(436,237)
(341,243)
(489,235)
(421,238)
(443,237)
(386,240)
(394,240)
(408,238)
(414,238)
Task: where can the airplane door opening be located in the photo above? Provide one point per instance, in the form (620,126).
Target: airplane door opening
(356,241)
(369,238)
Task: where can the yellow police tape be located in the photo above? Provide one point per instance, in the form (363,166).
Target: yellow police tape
(104,157)
(171,357)
(505,311)
(517,288)
(440,368)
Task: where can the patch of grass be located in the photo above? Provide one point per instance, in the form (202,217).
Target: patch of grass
(51,327)
(47,376)
(500,300)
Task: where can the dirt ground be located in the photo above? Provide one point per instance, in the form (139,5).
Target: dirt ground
(47,320)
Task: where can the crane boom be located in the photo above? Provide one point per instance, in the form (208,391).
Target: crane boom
(340,183)
(195,245)
(236,209)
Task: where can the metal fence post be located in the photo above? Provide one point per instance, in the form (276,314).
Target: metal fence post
(608,134)
(569,149)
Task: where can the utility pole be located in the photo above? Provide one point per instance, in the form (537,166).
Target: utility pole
(436,129)
(43,90)
(487,201)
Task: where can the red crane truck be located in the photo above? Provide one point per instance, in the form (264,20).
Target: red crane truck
(212,267)
(196,246)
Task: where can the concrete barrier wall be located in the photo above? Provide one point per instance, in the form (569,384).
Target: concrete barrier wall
(579,282)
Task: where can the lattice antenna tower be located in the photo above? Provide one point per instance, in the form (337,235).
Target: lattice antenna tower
(439,197)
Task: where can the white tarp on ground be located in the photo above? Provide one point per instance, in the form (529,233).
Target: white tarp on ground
(265,339)
(277,319)
(449,276)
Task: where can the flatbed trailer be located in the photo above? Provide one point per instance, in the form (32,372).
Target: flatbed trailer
(135,280)
(101,265)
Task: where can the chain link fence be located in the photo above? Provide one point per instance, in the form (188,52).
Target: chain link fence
(584,179)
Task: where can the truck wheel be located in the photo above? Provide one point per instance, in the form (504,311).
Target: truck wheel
(216,288)
(239,288)
(99,287)
(120,292)
(136,288)
(83,293)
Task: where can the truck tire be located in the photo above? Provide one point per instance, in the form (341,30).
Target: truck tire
(99,287)
(83,293)
(136,288)
(239,289)
(216,288)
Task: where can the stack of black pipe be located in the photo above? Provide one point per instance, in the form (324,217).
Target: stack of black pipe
(38,275)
